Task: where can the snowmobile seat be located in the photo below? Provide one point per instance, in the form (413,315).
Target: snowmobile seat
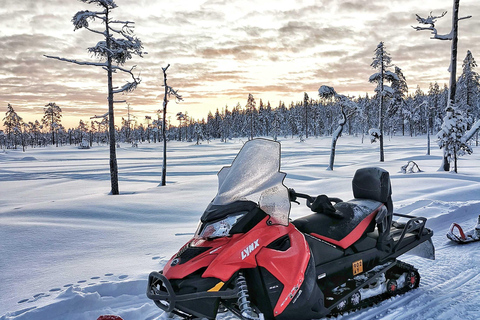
(371,207)
(352,219)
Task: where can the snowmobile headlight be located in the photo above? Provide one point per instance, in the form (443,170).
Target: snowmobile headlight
(220,228)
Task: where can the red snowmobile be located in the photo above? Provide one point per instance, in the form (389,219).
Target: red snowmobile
(249,258)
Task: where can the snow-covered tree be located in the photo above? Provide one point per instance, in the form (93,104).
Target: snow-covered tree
(12,122)
(118,46)
(326,92)
(305,105)
(51,118)
(453,36)
(381,62)
(468,89)
(251,110)
(397,101)
(450,136)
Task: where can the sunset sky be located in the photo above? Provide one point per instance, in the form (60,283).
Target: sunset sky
(220,51)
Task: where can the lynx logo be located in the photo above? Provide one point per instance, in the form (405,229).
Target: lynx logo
(246,252)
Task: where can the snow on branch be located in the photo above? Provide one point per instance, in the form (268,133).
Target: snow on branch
(374,134)
(110,4)
(470,133)
(81,18)
(375,77)
(327,92)
(430,21)
(120,50)
(83,63)
(391,76)
(172,92)
(410,167)
(129,86)
(122,22)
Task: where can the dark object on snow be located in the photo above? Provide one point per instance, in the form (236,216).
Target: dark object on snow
(109,317)
(410,167)
(249,258)
(462,237)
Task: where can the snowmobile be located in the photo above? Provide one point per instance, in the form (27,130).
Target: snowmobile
(249,258)
(461,236)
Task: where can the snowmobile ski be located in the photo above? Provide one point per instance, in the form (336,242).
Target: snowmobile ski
(460,236)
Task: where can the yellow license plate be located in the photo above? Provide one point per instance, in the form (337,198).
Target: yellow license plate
(357,267)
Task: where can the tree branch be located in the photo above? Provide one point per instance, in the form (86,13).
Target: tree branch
(463,18)
(83,63)
(431,20)
(95,31)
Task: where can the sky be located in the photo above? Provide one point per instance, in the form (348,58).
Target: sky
(219,51)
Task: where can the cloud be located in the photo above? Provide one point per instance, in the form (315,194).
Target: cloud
(220,50)
(359,6)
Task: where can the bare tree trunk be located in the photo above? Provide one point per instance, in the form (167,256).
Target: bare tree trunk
(111,119)
(335,137)
(306,114)
(164,133)
(453,72)
(380,112)
(251,122)
(428,139)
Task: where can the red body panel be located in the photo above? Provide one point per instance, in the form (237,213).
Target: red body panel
(242,251)
(287,266)
(228,254)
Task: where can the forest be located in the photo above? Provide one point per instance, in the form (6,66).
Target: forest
(414,114)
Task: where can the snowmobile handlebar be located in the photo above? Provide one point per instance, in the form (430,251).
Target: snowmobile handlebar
(293,195)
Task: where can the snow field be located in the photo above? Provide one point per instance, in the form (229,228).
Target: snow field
(71,251)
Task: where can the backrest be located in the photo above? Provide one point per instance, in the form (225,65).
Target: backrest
(372,183)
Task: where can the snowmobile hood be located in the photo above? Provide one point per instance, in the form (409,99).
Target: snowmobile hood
(255,176)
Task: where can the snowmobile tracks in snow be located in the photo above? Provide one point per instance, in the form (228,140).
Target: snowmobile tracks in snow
(374,286)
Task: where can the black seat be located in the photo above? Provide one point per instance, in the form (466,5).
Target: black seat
(352,219)
(372,206)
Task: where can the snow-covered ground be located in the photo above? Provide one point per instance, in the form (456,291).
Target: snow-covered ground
(68,250)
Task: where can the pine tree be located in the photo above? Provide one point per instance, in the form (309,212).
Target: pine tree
(118,46)
(12,123)
(251,110)
(382,62)
(450,136)
(52,116)
(468,86)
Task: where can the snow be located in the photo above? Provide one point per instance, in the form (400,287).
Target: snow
(71,251)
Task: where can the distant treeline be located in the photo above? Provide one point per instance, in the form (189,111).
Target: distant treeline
(415,114)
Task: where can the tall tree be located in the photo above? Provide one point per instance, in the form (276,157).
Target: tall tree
(251,110)
(305,105)
(12,123)
(453,36)
(169,91)
(52,117)
(381,62)
(118,46)
(468,87)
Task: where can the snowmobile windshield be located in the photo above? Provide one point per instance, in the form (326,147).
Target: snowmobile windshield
(255,176)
